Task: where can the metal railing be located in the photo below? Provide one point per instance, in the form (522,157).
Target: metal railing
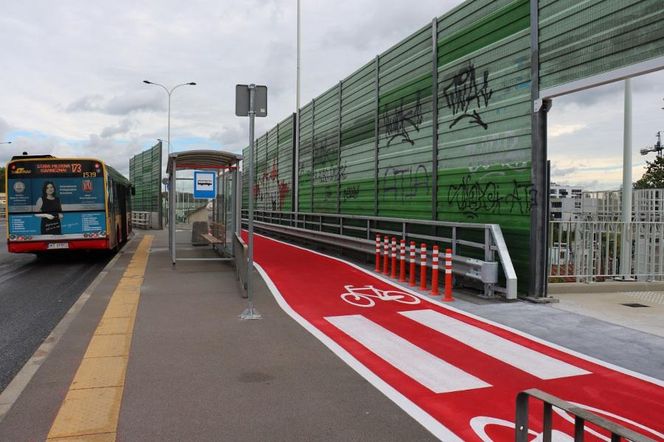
(479,250)
(590,251)
(581,416)
(141,220)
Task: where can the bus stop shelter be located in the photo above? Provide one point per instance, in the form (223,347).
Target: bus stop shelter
(222,210)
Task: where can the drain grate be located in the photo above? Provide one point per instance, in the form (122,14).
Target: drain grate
(635,305)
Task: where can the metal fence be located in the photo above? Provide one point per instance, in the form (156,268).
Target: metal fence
(141,220)
(591,251)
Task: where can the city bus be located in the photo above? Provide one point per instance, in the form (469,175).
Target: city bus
(65,204)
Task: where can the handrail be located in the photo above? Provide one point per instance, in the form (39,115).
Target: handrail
(339,225)
(581,416)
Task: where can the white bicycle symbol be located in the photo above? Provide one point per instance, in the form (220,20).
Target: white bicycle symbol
(362,296)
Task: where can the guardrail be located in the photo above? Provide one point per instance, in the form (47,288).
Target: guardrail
(478,250)
(141,220)
(581,416)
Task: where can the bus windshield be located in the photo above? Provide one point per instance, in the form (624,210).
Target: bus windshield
(55,198)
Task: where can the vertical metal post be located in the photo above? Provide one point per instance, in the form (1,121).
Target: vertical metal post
(521,424)
(296,180)
(313,153)
(434,119)
(172,195)
(295,162)
(537,284)
(250,312)
(339,152)
(376,135)
(160,203)
(235,207)
(626,243)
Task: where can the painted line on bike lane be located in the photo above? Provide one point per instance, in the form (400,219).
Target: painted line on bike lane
(425,368)
(315,294)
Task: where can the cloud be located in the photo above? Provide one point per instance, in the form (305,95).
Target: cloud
(4,128)
(119,105)
(231,137)
(122,128)
(564,129)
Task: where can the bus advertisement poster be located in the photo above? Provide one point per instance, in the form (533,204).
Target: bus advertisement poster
(72,224)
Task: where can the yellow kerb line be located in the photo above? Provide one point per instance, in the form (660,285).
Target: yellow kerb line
(91,408)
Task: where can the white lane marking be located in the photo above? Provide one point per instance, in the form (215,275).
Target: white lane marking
(425,419)
(516,355)
(425,368)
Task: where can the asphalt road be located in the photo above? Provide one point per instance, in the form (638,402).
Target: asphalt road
(34,296)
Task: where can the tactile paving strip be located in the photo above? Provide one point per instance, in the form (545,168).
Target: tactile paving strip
(91,408)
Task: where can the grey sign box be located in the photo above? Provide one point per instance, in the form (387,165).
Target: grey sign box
(242,100)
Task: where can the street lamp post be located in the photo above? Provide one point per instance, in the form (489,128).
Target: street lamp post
(169,92)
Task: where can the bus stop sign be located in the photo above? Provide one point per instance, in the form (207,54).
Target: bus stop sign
(205,185)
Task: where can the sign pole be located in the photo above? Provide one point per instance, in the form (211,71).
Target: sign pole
(250,312)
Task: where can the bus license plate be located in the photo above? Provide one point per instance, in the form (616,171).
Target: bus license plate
(58,245)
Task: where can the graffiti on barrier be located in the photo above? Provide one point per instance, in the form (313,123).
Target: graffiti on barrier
(472,197)
(402,183)
(331,174)
(464,96)
(400,122)
(270,192)
(350,192)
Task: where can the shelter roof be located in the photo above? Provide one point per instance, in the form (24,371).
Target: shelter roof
(202,159)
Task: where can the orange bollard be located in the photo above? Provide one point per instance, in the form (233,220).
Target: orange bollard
(434,271)
(412,264)
(448,276)
(402,258)
(423,266)
(378,253)
(386,254)
(394,258)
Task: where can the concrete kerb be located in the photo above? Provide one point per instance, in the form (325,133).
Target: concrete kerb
(13,391)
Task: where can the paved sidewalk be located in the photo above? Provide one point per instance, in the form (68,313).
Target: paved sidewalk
(197,372)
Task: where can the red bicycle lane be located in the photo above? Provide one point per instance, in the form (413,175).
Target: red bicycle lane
(457,374)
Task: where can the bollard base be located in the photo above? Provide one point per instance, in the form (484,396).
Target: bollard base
(250,313)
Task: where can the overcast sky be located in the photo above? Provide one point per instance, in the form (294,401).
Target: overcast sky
(72,74)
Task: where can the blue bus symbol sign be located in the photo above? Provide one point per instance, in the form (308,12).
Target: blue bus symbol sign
(205,185)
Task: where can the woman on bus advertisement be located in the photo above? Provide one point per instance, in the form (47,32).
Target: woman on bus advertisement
(51,210)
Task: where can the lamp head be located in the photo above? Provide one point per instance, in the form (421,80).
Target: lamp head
(192,84)
(147,82)
(645,151)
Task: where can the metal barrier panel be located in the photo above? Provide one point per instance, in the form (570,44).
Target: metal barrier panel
(405,128)
(580,40)
(145,176)
(357,141)
(305,173)
(283,184)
